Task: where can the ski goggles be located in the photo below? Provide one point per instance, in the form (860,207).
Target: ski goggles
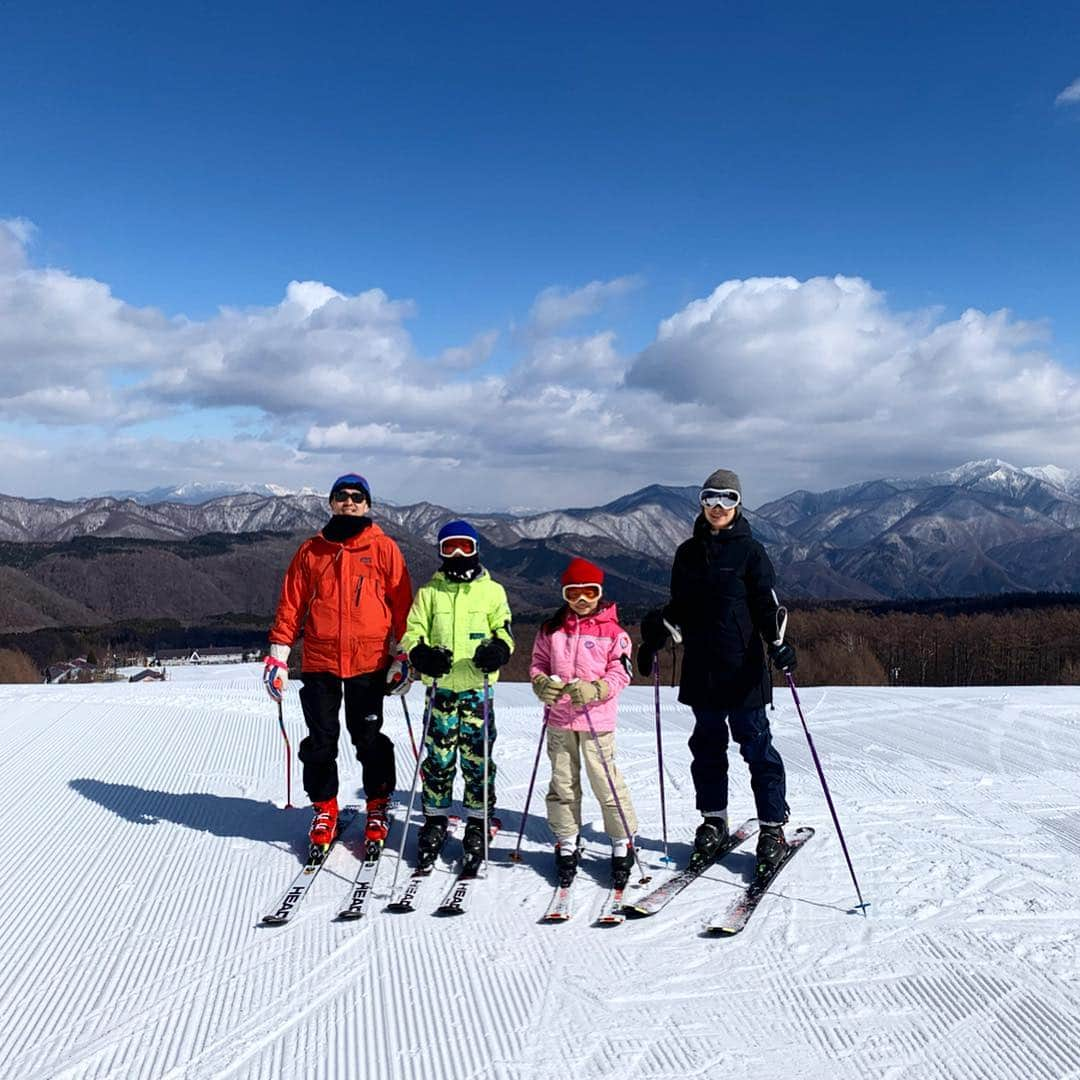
(349,496)
(572,593)
(450,546)
(725,498)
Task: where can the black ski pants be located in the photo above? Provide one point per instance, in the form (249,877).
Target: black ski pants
(709,760)
(320,698)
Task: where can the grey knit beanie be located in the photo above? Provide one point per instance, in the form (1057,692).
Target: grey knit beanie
(723,480)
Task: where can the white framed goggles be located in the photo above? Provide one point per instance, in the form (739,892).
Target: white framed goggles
(726,498)
(588,591)
(449,546)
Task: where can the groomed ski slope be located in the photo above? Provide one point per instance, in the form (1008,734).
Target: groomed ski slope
(144,837)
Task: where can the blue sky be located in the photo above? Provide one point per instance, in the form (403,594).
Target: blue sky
(525,199)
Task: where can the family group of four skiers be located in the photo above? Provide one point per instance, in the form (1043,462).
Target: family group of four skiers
(347,591)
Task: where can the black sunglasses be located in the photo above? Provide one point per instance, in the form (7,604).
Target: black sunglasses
(349,496)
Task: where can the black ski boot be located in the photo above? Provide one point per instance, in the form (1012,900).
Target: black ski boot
(473,840)
(431,839)
(567,855)
(711,835)
(771,847)
(621,865)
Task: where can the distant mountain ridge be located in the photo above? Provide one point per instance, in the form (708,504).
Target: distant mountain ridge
(984,527)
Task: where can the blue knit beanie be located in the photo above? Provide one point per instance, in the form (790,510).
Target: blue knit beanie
(458,528)
(351,480)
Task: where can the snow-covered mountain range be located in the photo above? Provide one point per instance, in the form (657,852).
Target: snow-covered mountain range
(983,527)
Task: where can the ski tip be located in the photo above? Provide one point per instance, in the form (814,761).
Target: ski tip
(272,920)
(860,909)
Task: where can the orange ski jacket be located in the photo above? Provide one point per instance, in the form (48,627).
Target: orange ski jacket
(349,599)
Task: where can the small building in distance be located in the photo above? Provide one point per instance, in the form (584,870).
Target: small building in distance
(212,654)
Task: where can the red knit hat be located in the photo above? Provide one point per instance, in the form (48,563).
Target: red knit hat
(582,572)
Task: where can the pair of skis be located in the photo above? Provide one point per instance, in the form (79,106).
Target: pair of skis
(560,908)
(295,894)
(737,914)
(457,897)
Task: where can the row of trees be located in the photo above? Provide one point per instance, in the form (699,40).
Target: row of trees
(1010,648)
(838,646)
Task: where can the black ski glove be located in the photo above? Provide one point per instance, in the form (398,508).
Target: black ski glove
(645,658)
(490,655)
(435,661)
(783,656)
(654,634)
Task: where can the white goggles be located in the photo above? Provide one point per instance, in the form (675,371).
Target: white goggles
(726,498)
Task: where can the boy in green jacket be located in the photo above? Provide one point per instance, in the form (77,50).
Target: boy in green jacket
(458,631)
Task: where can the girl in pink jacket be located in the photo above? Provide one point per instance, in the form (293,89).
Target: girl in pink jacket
(581,660)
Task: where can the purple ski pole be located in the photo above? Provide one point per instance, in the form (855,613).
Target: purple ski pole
(618,802)
(515,855)
(862,905)
(660,754)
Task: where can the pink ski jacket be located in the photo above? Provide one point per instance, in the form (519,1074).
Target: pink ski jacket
(595,647)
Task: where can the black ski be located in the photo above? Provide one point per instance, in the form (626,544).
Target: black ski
(458,895)
(405,901)
(665,892)
(739,911)
(363,883)
(317,856)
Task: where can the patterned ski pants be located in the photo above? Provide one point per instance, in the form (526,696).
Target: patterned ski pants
(457,727)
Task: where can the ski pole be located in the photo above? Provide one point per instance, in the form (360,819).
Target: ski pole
(487,755)
(862,905)
(515,855)
(660,754)
(618,802)
(288,756)
(416,774)
(408,724)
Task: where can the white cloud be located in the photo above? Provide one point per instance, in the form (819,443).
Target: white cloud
(15,234)
(1070,95)
(556,306)
(793,383)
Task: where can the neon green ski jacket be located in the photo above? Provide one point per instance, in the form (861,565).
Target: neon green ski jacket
(459,615)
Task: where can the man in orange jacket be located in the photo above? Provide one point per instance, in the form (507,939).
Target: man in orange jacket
(348,592)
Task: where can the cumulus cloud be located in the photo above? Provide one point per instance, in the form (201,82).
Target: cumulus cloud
(1070,95)
(556,306)
(794,383)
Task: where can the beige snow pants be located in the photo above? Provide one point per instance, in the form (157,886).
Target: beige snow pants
(566,749)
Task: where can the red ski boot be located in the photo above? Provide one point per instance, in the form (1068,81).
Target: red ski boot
(324,824)
(378,824)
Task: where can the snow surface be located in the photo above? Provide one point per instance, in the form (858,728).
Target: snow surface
(132,945)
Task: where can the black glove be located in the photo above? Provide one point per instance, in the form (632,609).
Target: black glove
(654,634)
(645,657)
(434,661)
(490,655)
(783,656)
